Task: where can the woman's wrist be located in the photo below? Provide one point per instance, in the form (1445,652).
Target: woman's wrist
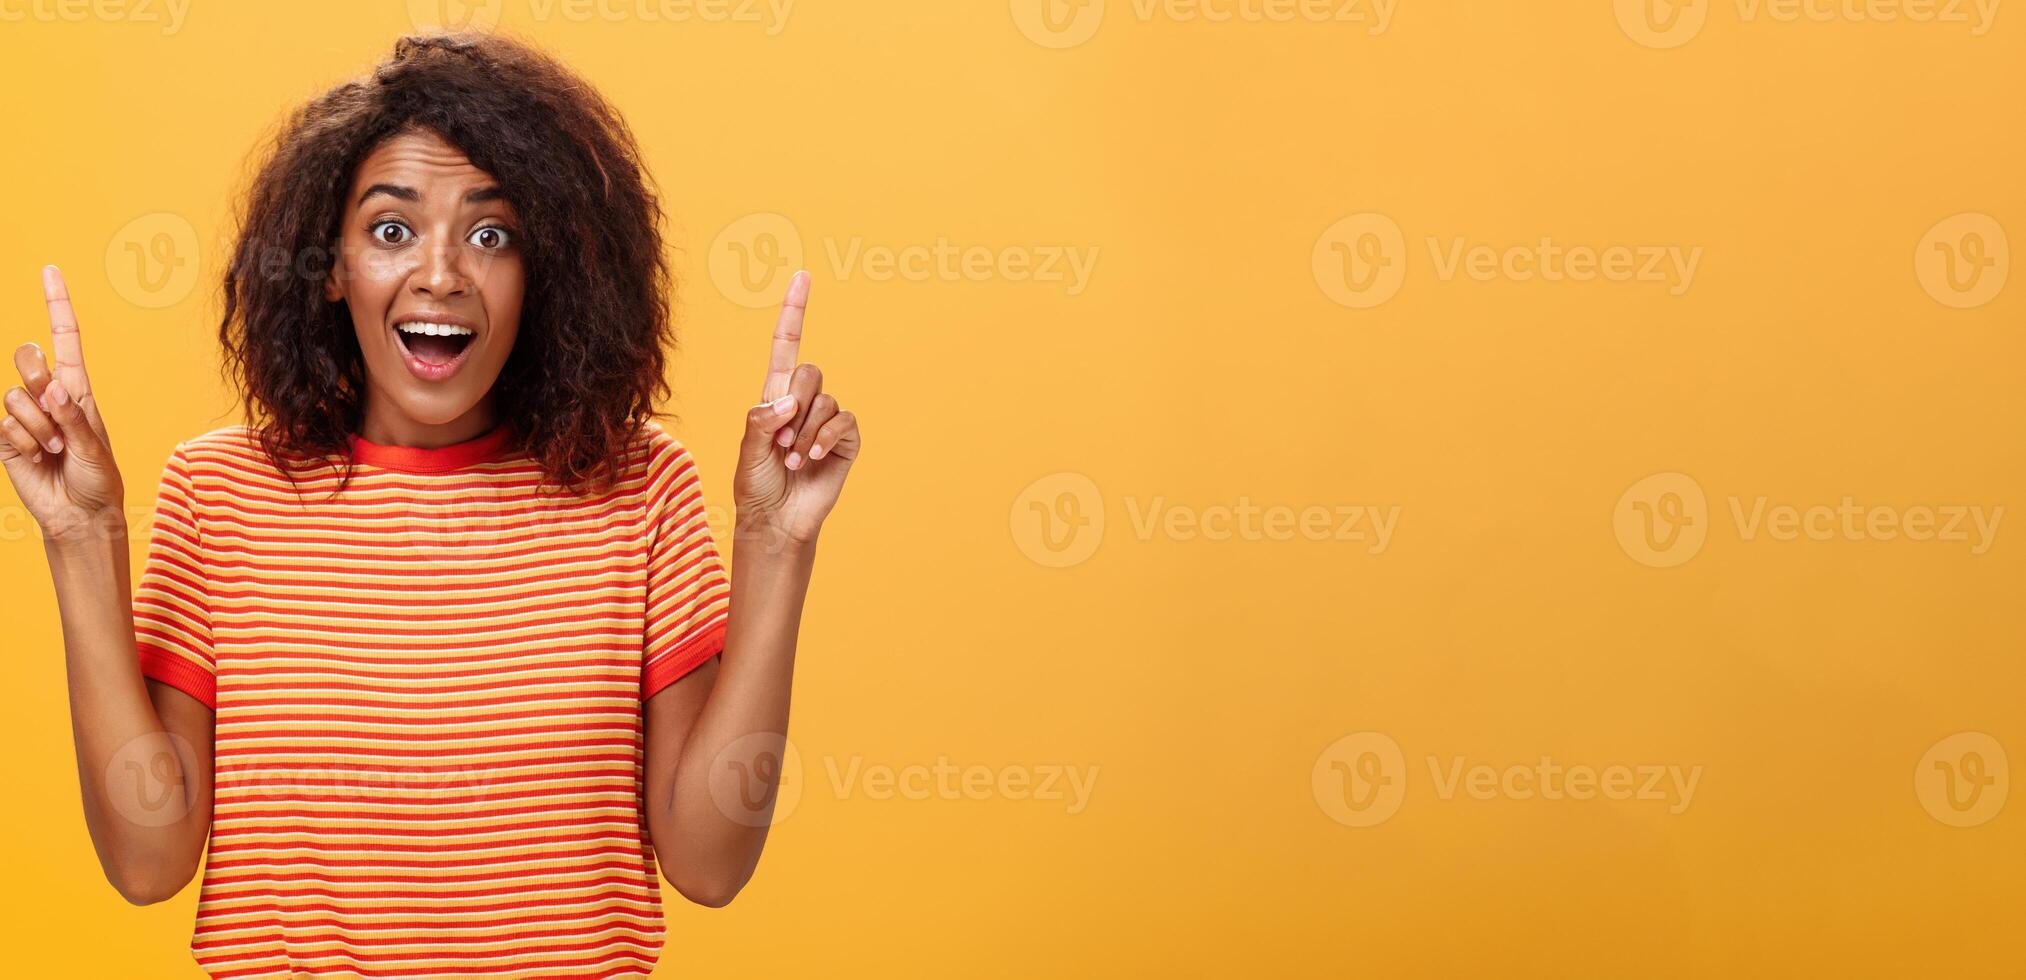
(88,535)
(93,537)
(764,536)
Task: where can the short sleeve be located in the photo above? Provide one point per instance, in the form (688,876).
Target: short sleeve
(688,593)
(172,604)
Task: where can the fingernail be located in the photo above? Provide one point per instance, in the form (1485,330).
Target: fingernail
(56,394)
(785,439)
(37,458)
(816,451)
(55,444)
(784,404)
(794,460)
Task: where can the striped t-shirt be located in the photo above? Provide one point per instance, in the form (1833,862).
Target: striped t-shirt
(429,755)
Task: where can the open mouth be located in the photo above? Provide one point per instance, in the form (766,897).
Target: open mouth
(433,350)
(434,343)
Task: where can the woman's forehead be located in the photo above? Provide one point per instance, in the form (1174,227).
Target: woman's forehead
(421,161)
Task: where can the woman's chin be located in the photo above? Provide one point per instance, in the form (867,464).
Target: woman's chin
(429,404)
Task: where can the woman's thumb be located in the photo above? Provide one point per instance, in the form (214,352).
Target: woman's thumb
(78,435)
(762,421)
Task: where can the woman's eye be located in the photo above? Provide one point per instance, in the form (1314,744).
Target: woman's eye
(390,233)
(489,237)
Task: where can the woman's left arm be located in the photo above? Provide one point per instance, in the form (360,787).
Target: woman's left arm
(715,738)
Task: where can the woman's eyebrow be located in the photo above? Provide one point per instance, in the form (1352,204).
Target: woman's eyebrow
(391,190)
(478,195)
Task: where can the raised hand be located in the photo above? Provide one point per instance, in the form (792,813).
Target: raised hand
(798,445)
(55,447)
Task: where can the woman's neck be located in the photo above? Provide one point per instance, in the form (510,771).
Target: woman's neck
(388,425)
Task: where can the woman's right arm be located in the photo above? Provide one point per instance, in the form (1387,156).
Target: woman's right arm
(143,748)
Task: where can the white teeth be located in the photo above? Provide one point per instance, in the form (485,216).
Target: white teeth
(434,329)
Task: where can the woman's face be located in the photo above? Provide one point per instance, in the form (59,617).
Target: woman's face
(431,270)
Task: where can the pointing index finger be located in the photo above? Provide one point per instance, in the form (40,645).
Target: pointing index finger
(787,350)
(66,345)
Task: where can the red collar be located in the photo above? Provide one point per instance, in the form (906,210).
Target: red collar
(457,455)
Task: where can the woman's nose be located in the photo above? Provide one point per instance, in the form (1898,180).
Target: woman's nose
(442,272)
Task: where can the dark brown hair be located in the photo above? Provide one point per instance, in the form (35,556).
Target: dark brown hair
(587,366)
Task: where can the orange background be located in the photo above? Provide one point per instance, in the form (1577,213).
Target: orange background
(1268,716)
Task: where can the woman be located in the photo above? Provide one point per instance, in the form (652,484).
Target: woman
(437,651)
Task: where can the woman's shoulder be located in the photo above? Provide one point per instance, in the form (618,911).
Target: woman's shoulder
(660,460)
(227,456)
(225,438)
(237,445)
(654,443)
(232,453)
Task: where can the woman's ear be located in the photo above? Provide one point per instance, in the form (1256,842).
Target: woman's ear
(332,291)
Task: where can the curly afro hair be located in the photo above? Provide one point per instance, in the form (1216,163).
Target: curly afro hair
(590,236)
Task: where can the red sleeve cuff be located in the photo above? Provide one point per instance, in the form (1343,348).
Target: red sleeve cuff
(687,656)
(179,673)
